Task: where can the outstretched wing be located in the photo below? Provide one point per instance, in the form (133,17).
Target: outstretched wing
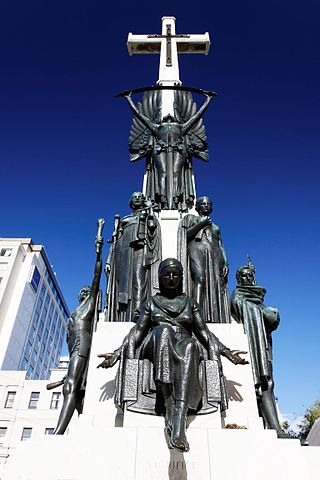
(140,138)
(185,108)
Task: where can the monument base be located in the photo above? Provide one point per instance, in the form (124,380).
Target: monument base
(143,454)
(109,444)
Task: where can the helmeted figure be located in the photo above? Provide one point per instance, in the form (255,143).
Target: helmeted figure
(168,144)
(201,252)
(259,321)
(171,336)
(133,260)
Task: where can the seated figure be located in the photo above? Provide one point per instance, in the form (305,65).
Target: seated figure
(173,337)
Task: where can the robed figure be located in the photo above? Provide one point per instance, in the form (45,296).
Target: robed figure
(133,260)
(168,144)
(259,321)
(205,263)
(161,359)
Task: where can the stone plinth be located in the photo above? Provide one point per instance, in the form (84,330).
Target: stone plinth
(142,454)
(108,444)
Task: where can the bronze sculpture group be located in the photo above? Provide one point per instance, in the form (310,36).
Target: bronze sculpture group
(170,359)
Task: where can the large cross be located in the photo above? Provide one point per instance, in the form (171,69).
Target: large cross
(168,45)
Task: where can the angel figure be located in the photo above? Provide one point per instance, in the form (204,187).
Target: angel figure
(168,144)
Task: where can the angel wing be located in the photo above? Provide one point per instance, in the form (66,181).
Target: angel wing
(140,137)
(185,108)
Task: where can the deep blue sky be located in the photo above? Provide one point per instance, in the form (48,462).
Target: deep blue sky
(64,157)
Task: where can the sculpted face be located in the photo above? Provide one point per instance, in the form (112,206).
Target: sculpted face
(136,200)
(171,278)
(84,293)
(204,206)
(246,276)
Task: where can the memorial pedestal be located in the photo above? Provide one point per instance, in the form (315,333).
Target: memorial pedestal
(108,444)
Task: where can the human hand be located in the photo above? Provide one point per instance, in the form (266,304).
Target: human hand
(225,271)
(206,221)
(110,359)
(209,94)
(148,203)
(235,358)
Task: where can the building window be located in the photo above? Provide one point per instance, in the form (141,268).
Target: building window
(29,348)
(24,365)
(47,300)
(38,341)
(43,291)
(39,364)
(3,266)
(35,280)
(36,317)
(32,331)
(3,432)
(33,403)
(29,371)
(26,434)
(41,325)
(10,399)
(55,399)
(34,357)
(5,252)
(49,431)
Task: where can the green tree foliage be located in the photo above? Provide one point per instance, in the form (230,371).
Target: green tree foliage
(310,416)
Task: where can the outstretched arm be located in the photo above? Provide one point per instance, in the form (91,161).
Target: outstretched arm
(134,337)
(193,120)
(145,120)
(207,339)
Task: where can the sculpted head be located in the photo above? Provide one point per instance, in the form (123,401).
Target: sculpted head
(246,275)
(84,293)
(170,277)
(168,119)
(136,200)
(204,205)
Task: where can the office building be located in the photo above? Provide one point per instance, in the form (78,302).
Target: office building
(33,312)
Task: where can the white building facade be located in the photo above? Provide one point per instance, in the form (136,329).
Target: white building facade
(27,409)
(33,312)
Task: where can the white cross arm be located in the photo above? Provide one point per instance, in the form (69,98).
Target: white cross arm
(143,44)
